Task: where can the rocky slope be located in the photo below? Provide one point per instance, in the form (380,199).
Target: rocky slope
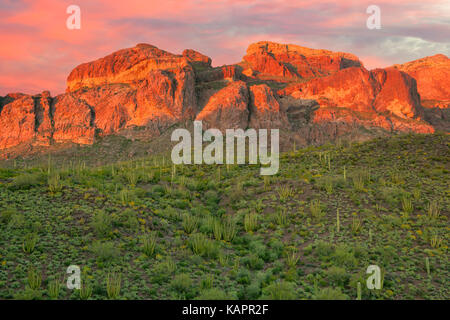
(311,95)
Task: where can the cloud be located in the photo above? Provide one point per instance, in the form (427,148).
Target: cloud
(38,50)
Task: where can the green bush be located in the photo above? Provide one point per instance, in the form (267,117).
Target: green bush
(6,215)
(27,181)
(190,223)
(337,276)
(101,223)
(182,283)
(213,294)
(280,290)
(105,251)
(330,294)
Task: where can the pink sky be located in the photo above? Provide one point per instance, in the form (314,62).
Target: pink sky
(38,51)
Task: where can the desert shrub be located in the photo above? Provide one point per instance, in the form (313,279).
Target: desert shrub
(433,209)
(211,198)
(253,262)
(407,205)
(213,294)
(29,242)
(149,244)
(280,290)
(323,249)
(203,246)
(200,211)
(229,229)
(27,181)
(17,220)
(113,285)
(54,288)
(105,251)
(101,223)
(344,257)
(252,291)
(6,215)
(28,294)
(285,193)
(182,283)
(162,271)
(129,219)
(281,217)
(259,249)
(207,282)
(243,276)
(330,294)
(250,222)
(276,247)
(292,257)
(34,278)
(54,182)
(337,276)
(315,207)
(190,223)
(173,214)
(181,203)
(158,190)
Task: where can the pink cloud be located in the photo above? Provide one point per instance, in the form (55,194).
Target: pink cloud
(39,52)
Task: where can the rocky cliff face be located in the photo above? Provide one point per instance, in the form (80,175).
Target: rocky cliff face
(292,61)
(432,75)
(324,94)
(385,98)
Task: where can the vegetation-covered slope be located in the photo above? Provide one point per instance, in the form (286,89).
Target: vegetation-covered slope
(204,231)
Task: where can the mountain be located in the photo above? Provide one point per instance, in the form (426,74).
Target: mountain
(312,95)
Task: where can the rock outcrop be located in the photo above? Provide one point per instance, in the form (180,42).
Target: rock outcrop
(230,72)
(155,86)
(291,61)
(432,75)
(124,66)
(73,120)
(227,108)
(352,88)
(381,98)
(144,90)
(398,93)
(17,120)
(265,110)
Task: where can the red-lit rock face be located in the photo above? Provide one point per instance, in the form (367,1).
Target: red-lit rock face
(432,75)
(144,86)
(124,66)
(196,57)
(398,93)
(17,121)
(227,109)
(381,98)
(352,88)
(264,107)
(73,120)
(290,61)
